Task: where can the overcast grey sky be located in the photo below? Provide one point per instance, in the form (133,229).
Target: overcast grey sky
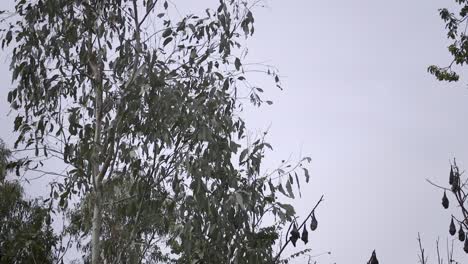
(359,101)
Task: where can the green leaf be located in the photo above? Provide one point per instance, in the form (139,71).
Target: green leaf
(237,63)
(289,189)
(149,5)
(288,208)
(272,188)
(298,184)
(193,53)
(167,41)
(243,155)
(219,75)
(306,174)
(8,37)
(167,33)
(280,188)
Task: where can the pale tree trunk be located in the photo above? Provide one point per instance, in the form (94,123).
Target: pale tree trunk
(99,168)
(96,229)
(97,182)
(97,176)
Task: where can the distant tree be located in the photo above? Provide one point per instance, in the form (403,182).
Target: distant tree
(143,108)
(25,232)
(456,24)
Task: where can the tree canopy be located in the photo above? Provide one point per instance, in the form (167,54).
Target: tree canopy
(26,235)
(455,23)
(144,110)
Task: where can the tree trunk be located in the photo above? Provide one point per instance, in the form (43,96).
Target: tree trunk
(95,163)
(96,230)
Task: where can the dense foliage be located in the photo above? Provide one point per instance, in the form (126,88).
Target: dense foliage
(143,108)
(25,232)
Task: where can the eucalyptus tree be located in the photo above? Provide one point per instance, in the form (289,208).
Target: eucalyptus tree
(144,109)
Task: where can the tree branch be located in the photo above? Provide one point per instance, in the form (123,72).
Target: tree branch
(303,223)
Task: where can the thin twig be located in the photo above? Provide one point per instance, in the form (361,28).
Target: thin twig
(422,258)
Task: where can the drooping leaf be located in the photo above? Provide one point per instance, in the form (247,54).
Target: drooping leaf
(237,63)
(306,174)
(289,189)
(167,41)
(451,176)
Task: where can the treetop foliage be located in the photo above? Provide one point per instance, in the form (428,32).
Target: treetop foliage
(143,108)
(455,23)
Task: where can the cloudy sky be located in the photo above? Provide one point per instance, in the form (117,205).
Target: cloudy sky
(359,101)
